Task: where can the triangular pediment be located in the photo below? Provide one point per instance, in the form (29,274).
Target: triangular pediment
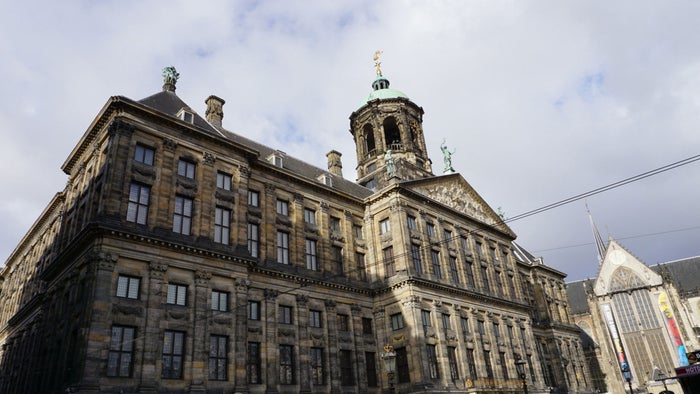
(456,193)
(622,271)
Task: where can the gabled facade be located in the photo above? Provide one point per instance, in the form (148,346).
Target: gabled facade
(184,258)
(635,315)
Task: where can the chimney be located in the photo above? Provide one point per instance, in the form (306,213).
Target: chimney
(215,110)
(335,166)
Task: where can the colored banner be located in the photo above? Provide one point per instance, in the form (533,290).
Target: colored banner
(615,336)
(673,331)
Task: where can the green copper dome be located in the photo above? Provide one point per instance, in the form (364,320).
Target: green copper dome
(381,91)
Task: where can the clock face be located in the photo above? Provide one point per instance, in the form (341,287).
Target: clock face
(617,257)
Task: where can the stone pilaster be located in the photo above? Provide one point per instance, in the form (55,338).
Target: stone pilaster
(304,343)
(241,334)
(200,339)
(270,347)
(153,336)
(358,342)
(333,366)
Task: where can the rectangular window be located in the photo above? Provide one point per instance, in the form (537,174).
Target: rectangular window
(499,283)
(485,279)
(222,226)
(185,168)
(285,316)
(464,243)
(464,323)
(314,318)
(253,198)
(182,218)
(425,318)
(504,366)
(173,351)
(471,364)
(337,259)
(121,351)
(453,270)
(253,363)
(446,322)
(469,268)
(357,231)
(431,229)
(384,226)
(335,224)
(317,366)
(254,310)
(367,326)
(254,239)
(371,368)
(218,357)
(435,257)
(402,369)
(492,253)
(452,360)
(448,237)
(389,267)
(432,362)
(309,216)
(282,247)
(343,322)
(177,294)
(481,328)
(219,301)
(497,332)
(223,181)
(396,321)
(479,250)
(347,378)
(411,222)
(283,207)
(128,287)
(489,367)
(417,263)
(137,209)
(360,258)
(286,364)
(509,329)
(311,262)
(144,154)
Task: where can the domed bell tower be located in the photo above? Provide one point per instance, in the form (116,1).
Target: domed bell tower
(388,134)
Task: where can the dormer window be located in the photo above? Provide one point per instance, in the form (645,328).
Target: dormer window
(277,158)
(186,115)
(326,179)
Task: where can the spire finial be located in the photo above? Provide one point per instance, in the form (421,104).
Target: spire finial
(377,63)
(600,245)
(170,77)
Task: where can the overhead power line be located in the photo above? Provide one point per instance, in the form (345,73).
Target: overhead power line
(604,188)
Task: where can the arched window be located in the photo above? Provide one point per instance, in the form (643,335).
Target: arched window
(369,138)
(392,136)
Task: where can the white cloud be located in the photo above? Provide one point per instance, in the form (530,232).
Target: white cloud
(542,100)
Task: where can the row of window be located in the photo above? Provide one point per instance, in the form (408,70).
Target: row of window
(129,287)
(121,357)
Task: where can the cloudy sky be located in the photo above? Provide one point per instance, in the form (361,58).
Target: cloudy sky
(542,100)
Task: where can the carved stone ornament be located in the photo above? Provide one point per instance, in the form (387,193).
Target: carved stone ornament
(255,330)
(324,207)
(133,310)
(271,294)
(209,158)
(202,277)
(242,285)
(302,299)
(379,314)
(157,269)
(104,260)
(269,188)
(119,126)
(285,332)
(330,304)
(355,308)
(244,172)
(177,314)
(222,321)
(411,301)
(169,144)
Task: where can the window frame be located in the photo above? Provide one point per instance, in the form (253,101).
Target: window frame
(285,314)
(186,169)
(286,365)
(183,212)
(223,181)
(254,312)
(128,286)
(221,298)
(384,226)
(253,230)
(310,254)
(173,372)
(397,322)
(179,297)
(253,362)
(283,247)
(254,198)
(347,375)
(137,208)
(282,207)
(141,154)
(119,349)
(217,357)
(309,216)
(315,318)
(222,228)
(316,365)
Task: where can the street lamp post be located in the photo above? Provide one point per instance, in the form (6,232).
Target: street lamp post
(389,358)
(520,368)
(628,377)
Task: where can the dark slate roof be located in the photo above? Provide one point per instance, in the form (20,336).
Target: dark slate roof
(576,291)
(683,273)
(169,103)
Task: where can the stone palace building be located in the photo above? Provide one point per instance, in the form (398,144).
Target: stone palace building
(182,257)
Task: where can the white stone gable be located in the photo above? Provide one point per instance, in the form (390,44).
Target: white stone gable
(620,270)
